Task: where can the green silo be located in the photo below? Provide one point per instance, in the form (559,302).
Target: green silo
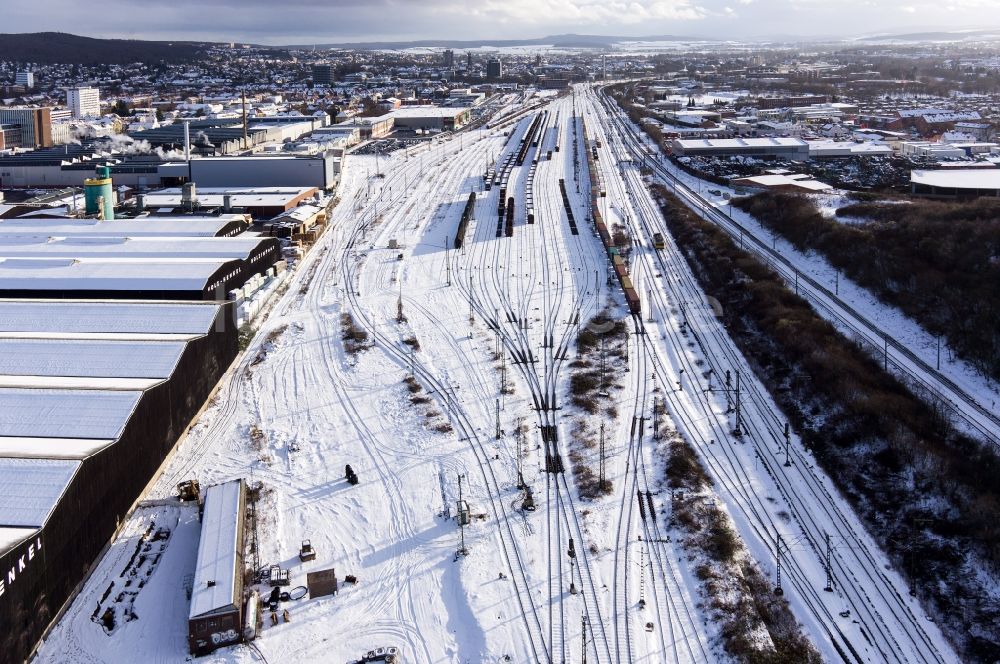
(98,195)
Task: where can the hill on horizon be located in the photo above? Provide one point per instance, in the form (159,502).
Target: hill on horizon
(565,41)
(65,48)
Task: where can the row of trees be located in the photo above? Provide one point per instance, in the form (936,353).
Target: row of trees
(929,494)
(937,261)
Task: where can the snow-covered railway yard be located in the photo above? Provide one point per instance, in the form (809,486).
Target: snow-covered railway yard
(464,371)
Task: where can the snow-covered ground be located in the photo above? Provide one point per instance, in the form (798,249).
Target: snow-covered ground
(421,406)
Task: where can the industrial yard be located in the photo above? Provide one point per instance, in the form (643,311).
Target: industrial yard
(427,342)
(567,349)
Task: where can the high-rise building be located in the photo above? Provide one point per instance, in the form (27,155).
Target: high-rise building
(449,58)
(324,74)
(35,124)
(84,102)
(25,79)
(494,69)
(468,60)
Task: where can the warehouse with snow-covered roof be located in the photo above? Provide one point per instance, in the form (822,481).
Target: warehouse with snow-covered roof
(956,182)
(93,396)
(150,226)
(788,148)
(110,278)
(215,618)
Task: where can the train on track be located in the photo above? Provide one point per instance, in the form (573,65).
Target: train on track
(463,224)
(597,191)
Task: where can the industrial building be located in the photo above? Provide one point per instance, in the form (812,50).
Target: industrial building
(35,124)
(956,182)
(123,278)
(370,128)
(191,226)
(430,118)
(226,136)
(84,102)
(831,149)
(261,202)
(787,148)
(93,396)
(258,253)
(215,618)
(70,165)
(795,183)
(316,171)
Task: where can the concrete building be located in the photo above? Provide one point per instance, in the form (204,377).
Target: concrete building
(370,128)
(433,118)
(35,124)
(788,148)
(831,149)
(25,79)
(494,69)
(84,102)
(448,58)
(317,171)
(927,150)
(956,182)
(261,202)
(787,102)
(324,74)
(795,183)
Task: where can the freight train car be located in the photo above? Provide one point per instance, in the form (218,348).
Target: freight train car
(470,206)
(597,190)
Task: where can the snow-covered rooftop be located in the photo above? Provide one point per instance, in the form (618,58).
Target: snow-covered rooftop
(735,143)
(62,227)
(126,247)
(91,414)
(215,570)
(9,537)
(428,112)
(51,448)
(30,488)
(106,274)
(775,180)
(243,197)
(89,358)
(964,178)
(106,317)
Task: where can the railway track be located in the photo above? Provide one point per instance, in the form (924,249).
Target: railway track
(467,431)
(761,429)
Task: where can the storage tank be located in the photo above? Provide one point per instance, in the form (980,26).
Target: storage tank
(98,194)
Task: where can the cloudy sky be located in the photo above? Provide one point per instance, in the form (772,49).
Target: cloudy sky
(308,21)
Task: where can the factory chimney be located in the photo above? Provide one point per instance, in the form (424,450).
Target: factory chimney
(244,119)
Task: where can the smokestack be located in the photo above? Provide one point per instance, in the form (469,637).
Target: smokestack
(187,140)
(140,202)
(227,203)
(244,119)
